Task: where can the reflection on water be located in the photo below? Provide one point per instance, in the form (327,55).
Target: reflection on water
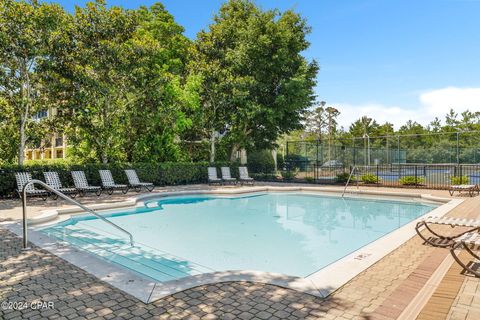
(294,234)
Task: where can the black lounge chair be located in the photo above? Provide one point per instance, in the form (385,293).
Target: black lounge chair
(135,182)
(244,177)
(22,179)
(446,241)
(53,180)
(109,184)
(212,176)
(82,186)
(227,177)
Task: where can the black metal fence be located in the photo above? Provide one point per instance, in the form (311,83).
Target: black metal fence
(432,148)
(430,176)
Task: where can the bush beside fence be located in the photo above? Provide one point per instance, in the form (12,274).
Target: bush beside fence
(177,173)
(427,176)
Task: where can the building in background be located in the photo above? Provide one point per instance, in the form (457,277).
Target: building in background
(53,146)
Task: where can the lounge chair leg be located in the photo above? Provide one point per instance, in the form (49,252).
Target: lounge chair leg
(457,259)
(124,191)
(422,223)
(471,252)
(417,229)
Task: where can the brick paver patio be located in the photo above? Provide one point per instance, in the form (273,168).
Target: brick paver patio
(380,292)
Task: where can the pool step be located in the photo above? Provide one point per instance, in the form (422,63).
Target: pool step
(135,258)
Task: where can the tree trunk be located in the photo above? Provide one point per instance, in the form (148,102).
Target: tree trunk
(25,110)
(233,154)
(21,147)
(212,146)
(104,157)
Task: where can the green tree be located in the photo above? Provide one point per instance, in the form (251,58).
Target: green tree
(9,133)
(119,74)
(256,82)
(364,126)
(159,51)
(26,28)
(316,121)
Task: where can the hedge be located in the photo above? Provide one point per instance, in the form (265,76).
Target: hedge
(161,174)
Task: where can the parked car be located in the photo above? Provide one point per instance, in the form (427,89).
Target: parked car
(333,164)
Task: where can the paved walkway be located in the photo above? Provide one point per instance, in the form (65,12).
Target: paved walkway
(380,292)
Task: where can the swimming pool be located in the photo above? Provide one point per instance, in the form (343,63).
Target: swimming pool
(294,234)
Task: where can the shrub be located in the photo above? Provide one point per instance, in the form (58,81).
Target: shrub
(460,180)
(161,174)
(264,176)
(289,175)
(310,179)
(343,177)
(369,178)
(295,161)
(280,161)
(411,180)
(261,161)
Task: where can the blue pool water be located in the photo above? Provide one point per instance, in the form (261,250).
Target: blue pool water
(295,234)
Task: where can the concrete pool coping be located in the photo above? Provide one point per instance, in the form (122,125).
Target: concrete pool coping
(321,283)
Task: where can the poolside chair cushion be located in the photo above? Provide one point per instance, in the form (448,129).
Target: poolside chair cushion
(471,238)
(453,221)
(463,187)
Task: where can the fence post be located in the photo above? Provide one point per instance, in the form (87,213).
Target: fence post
(398,149)
(378,179)
(416,177)
(458,145)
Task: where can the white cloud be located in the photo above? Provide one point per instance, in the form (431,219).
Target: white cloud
(431,104)
(438,102)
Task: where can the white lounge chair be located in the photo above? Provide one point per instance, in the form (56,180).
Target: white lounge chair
(244,177)
(212,176)
(82,186)
(135,182)
(469,241)
(22,179)
(226,176)
(109,184)
(470,188)
(53,180)
(472,224)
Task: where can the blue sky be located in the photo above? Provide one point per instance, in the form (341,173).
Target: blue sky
(393,60)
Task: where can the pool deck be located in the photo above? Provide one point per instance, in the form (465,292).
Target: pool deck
(413,281)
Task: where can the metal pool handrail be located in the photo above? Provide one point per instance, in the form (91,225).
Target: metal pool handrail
(66,198)
(348,181)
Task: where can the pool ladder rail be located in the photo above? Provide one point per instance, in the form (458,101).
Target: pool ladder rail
(66,198)
(348,181)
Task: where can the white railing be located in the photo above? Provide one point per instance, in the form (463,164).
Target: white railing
(66,198)
(348,181)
